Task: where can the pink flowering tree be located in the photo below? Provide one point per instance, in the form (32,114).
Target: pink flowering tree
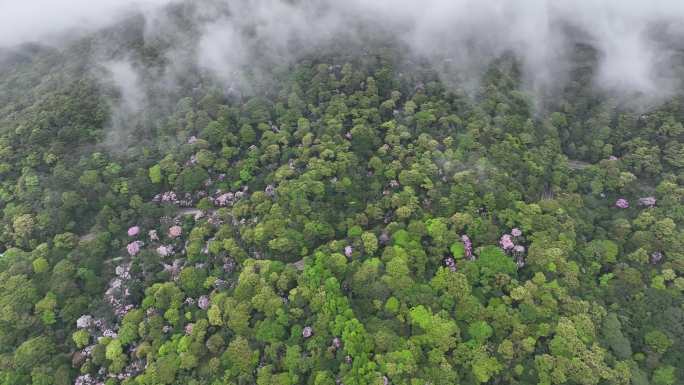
(506,242)
(175,231)
(133,248)
(133,231)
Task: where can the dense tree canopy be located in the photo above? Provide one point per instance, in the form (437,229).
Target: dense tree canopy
(352,223)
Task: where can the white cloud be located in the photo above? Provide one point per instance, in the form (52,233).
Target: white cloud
(48,20)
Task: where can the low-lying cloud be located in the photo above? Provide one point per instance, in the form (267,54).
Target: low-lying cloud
(48,21)
(636,41)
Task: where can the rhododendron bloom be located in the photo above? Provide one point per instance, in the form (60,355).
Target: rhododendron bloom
(506,242)
(223,199)
(188,328)
(516,232)
(656,257)
(175,231)
(450,263)
(348,251)
(468,246)
(307,332)
(203,302)
(164,251)
(622,203)
(133,248)
(133,231)
(84,321)
(647,201)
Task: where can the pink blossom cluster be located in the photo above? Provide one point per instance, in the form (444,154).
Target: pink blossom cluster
(188,328)
(95,327)
(118,293)
(506,242)
(123,271)
(348,251)
(203,302)
(307,332)
(175,231)
(622,203)
(336,343)
(166,197)
(647,201)
(87,379)
(518,251)
(467,246)
(165,250)
(224,199)
(133,231)
(133,248)
(450,264)
(84,321)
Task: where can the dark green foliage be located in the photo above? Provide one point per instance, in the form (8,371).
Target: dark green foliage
(309,231)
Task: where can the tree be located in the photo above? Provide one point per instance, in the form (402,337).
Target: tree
(33,352)
(618,343)
(239,358)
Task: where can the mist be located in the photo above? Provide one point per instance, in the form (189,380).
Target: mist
(51,21)
(637,43)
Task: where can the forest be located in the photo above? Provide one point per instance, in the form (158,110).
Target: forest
(354,217)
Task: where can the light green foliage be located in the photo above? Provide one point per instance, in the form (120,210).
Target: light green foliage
(155,174)
(273,176)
